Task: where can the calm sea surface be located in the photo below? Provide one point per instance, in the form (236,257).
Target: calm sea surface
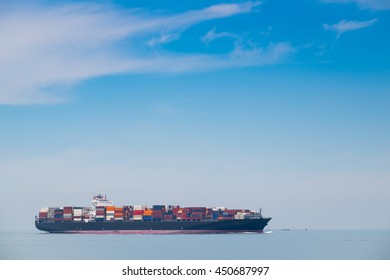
(278,245)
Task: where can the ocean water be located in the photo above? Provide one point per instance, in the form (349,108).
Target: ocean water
(277,245)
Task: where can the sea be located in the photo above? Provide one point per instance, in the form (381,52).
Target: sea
(271,245)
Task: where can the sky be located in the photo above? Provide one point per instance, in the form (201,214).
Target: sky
(280,105)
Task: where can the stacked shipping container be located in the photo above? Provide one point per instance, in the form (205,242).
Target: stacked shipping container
(138,212)
(141,213)
(68,213)
(100,213)
(77,214)
(118,214)
(58,215)
(110,213)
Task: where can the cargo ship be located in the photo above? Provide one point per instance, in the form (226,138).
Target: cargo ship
(104,217)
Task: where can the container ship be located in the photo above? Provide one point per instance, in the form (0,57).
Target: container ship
(104,217)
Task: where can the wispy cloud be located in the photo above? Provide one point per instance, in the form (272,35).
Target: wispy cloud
(364,4)
(44,47)
(345,26)
(273,53)
(212,35)
(164,38)
(212,12)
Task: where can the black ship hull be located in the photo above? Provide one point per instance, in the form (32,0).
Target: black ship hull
(156,227)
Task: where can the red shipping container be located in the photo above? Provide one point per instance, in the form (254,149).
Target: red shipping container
(157,214)
(42,214)
(196,215)
(225,218)
(138,212)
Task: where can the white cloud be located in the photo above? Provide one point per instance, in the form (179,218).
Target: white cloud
(344,26)
(273,53)
(212,12)
(164,38)
(46,47)
(364,4)
(211,35)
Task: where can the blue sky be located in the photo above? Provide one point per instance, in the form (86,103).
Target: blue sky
(271,104)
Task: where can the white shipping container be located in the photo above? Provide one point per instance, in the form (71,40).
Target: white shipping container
(139,207)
